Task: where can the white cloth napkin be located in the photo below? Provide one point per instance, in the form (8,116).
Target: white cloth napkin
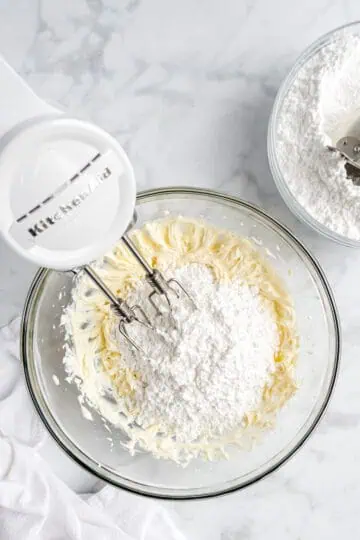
(34,503)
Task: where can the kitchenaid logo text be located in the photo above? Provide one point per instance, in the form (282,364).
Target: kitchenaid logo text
(66,209)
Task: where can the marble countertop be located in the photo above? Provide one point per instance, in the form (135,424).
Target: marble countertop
(187,88)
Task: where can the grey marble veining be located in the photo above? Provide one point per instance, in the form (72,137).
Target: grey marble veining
(187,88)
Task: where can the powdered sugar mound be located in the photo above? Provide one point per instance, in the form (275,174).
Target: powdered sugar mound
(321,107)
(201,376)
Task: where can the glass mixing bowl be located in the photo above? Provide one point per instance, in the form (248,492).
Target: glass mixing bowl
(293,204)
(87,441)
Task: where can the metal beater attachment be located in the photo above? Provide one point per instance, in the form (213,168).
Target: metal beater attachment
(128,314)
(162,288)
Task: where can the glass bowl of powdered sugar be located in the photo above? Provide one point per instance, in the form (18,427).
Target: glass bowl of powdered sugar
(316,106)
(219,395)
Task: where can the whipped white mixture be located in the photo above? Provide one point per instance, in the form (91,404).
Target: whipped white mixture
(322,106)
(203,375)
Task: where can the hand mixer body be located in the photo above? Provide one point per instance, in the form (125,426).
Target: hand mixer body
(56,175)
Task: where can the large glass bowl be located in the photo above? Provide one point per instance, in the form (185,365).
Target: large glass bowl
(291,201)
(87,441)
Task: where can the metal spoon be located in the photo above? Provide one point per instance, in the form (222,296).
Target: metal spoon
(349,148)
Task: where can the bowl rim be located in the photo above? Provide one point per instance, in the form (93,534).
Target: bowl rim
(132,486)
(298,210)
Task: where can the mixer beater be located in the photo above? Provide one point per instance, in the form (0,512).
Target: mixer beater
(161,289)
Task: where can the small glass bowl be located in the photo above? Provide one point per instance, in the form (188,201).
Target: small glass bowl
(87,441)
(298,210)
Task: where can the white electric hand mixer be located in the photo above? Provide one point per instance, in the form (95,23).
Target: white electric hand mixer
(67,194)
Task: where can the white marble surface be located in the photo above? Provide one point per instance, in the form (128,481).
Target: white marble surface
(187,87)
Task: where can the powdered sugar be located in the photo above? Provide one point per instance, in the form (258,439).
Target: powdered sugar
(321,107)
(202,376)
